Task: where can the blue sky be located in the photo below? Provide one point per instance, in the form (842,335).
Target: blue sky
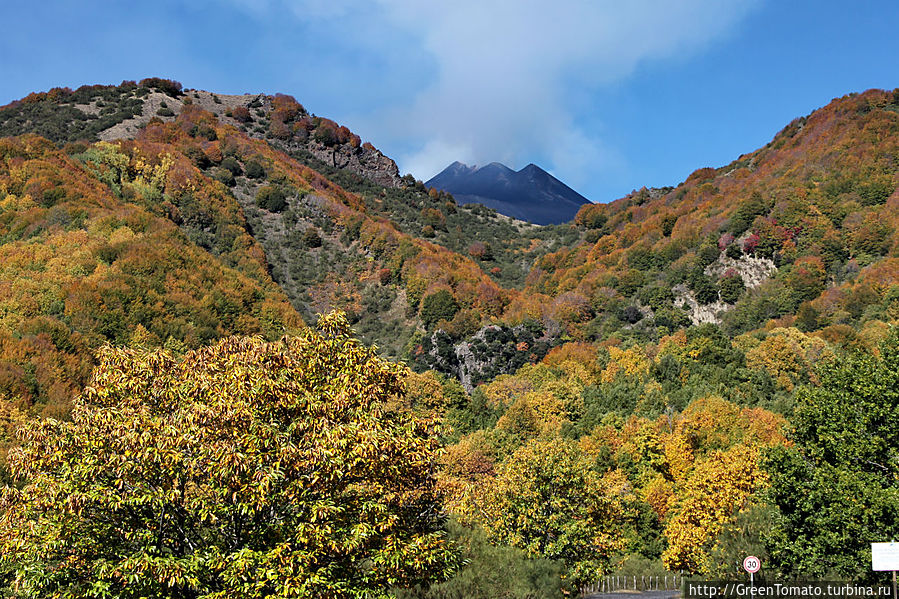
(607,95)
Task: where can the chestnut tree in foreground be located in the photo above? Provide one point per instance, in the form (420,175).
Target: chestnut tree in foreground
(245,469)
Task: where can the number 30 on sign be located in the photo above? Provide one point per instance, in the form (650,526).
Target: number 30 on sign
(752,564)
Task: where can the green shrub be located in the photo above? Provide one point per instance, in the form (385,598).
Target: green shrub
(272,198)
(225,176)
(205,131)
(630,281)
(641,258)
(593,217)
(492,571)
(746,213)
(671,318)
(440,305)
(668,222)
(708,253)
(875,193)
(705,290)
(731,288)
(255,170)
(232,165)
(311,238)
(166,86)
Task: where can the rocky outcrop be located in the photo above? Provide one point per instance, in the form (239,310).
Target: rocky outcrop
(257,110)
(491,351)
(698,313)
(752,269)
(365,160)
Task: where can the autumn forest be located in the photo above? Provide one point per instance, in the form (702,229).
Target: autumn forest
(241,356)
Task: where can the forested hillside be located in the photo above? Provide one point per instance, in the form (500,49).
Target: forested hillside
(90,257)
(667,382)
(801,230)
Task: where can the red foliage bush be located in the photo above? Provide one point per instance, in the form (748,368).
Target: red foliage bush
(286,107)
(279,129)
(477,250)
(701,174)
(241,113)
(750,243)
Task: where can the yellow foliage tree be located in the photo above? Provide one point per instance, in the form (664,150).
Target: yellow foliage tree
(548,501)
(629,362)
(246,469)
(788,355)
(718,487)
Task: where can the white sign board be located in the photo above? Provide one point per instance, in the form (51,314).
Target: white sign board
(884,556)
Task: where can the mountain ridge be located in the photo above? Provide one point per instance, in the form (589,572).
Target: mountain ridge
(106,113)
(529,194)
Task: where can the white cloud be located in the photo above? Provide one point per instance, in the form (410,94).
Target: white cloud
(436,155)
(510,75)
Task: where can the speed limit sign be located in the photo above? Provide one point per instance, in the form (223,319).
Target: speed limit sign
(752,564)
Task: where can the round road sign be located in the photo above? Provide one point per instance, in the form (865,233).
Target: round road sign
(752,564)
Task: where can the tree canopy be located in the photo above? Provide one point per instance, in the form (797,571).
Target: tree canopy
(836,489)
(246,469)
(547,501)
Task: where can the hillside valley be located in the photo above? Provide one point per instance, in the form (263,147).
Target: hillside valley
(679,376)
